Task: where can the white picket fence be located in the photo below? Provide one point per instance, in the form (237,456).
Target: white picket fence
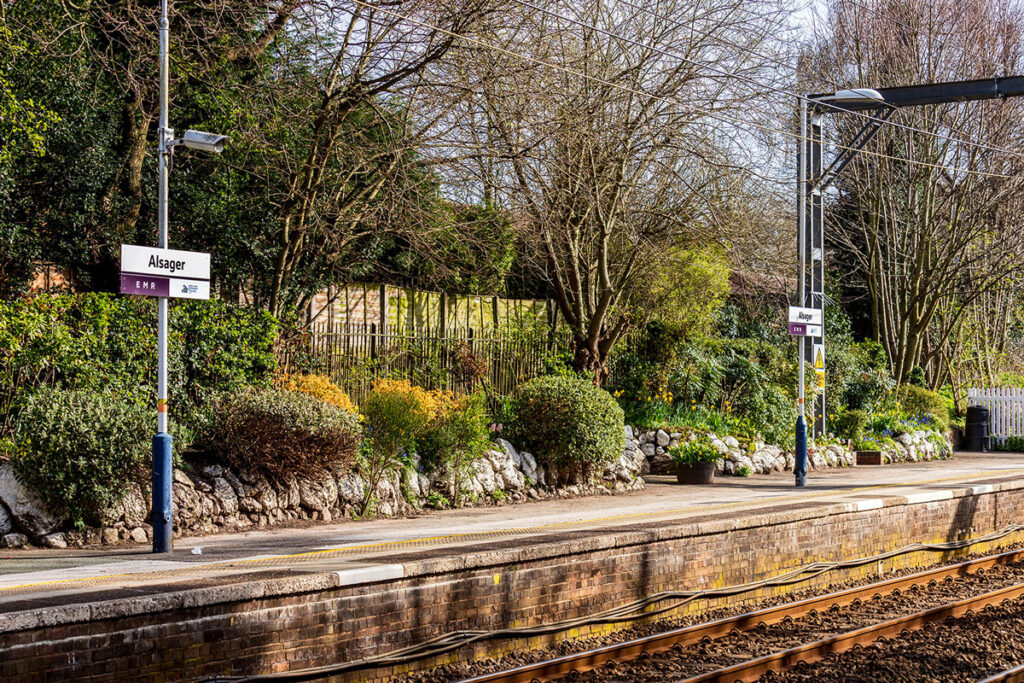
(1006,410)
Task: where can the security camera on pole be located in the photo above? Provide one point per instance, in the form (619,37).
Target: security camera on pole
(166,273)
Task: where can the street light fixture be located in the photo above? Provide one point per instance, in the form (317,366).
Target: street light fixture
(854,96)
(163,472)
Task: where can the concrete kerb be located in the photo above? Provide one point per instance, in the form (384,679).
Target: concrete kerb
(527,548)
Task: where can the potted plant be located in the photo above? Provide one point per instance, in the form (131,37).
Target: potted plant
(869,451)
(695,461)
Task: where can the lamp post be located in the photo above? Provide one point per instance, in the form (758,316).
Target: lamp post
(163,473)
(811,181)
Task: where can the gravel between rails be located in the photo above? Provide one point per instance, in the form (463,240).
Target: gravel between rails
(460,670)
(734,648)
(967,648)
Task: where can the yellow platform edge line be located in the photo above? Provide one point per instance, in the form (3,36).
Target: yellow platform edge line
(512,532)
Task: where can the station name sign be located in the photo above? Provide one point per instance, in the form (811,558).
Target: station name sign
(804,316)
(149,271)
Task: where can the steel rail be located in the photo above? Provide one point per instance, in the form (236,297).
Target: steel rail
(811,652)
(688,635)
(1014,675)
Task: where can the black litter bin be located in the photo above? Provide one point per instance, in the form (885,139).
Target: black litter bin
(976,430)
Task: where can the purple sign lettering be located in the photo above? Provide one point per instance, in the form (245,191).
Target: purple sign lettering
(795,329)
(146,285)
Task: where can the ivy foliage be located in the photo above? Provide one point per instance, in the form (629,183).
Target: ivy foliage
(107,344)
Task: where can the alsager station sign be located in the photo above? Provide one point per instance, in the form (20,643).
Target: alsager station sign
(164,272)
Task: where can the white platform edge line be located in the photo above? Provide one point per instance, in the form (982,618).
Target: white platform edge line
(927,496)
(379,572)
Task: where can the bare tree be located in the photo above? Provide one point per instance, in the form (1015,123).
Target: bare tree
(345,159)
(930,224)
(609,146)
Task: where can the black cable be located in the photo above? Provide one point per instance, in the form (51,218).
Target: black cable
(631,611)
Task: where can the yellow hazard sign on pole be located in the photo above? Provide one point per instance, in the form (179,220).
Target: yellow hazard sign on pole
(819,379)
(819,356)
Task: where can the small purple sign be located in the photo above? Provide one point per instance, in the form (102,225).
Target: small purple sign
(145,285)
(795,329)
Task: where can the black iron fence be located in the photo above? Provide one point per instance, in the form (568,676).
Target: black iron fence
(354,356)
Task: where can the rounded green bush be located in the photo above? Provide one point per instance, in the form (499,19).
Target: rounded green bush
(280,434)
(850,424)
(567,421)
(80,449)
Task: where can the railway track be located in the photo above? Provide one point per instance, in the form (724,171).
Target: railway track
(1014,675)
(853,632)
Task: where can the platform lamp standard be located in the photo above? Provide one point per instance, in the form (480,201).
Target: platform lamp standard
(811,181)
(163,474)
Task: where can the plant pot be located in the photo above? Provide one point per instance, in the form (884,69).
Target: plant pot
(698,473)
(869,457)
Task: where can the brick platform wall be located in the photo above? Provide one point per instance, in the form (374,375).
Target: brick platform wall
(505,584)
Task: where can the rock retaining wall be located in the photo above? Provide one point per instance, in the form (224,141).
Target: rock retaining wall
(211,498)
(761,458)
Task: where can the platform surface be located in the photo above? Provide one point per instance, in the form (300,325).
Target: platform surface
(360,551)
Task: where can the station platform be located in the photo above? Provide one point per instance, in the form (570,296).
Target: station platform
(293,598)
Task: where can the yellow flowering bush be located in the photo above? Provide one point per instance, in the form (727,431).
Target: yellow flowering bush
(454,439)
(396,413)
(321,387)
(429,404)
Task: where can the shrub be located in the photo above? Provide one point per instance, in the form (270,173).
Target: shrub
(1011,444)
(858,376)
(454,438)
(107,343)
(923,403)
(850,424)
(395,413)
(79,449)
(320,387)
(748,377)
(280,434)
(567,421)
(916,377)
(700,450)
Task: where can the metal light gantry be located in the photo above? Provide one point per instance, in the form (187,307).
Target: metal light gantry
(812,180)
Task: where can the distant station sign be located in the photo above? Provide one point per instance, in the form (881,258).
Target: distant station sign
(149,271)
(804,316)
